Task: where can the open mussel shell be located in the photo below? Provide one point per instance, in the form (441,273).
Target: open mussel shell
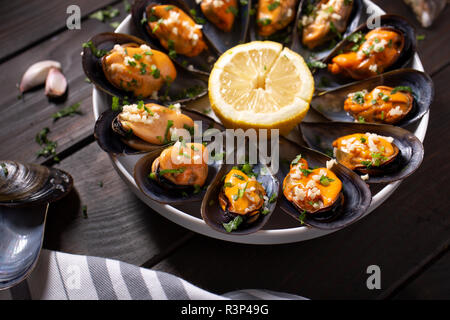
(186,87)
(164,191)
(320,136)
(31,184)
(213,214)
(392,22)
(283,36)
(220,39)
(111,139)
(352,204)
(201,64)
(356,17)
(331,103)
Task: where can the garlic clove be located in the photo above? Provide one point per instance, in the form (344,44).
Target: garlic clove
(36,74)
(55,84)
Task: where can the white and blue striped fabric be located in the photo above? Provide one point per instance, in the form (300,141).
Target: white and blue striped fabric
(62,276)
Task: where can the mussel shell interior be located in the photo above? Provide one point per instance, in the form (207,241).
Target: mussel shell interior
(331,103)
(31,184)
(220,39)
(202,64)
(356,17)
(161,191)
(355,192)
(213,214)
(320,137)
(112,142)
(386,21)
(176,92)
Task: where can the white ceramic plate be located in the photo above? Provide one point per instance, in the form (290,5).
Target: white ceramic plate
(286,229)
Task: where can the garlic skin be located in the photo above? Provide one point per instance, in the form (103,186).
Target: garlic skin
(55,84)
(37,73)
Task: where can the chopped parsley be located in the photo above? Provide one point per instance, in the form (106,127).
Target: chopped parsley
(233,224)
(358,97)
(302,217)
(273,197)
(68,111)
(171,171)
(172,52)
(325,181)
(273,5)
(264,21)
(96,52)
(48,146)
(232,10)
(401,88)
(238,176)
(306,172)
(316,64)
(296,160)
(4,169)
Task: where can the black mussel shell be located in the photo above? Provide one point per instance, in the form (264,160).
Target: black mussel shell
(328,80)
(163,190)
(283,36)
(331,103)
(186,87)
(356,17)
(220,39)
(31,184)
(320,136)
(113,139)
(201,64)
(213,214)
(352,204)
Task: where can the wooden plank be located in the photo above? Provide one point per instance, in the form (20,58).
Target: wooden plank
(25,23)
(434,49)
(118,224)
(397,236)
(432,284)
(23,118)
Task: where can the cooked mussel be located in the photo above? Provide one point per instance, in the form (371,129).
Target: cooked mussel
(143,127)
(241,198)
(399,97)
(379,153)
(176,174)
(225,22)
(125,66)
(171,27)
(368,52)
(31,184)
(337,198)
(321,23)
(274,20)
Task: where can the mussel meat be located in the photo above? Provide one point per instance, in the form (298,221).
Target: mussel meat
(138,69)
(220,12)
(325,21)
(31,184)
(275,15)
(364,151)
(241,198)
(398,97)
(382,105)
(142,126)
(126,67)
(318,191)
(175,30)
(181,165)
(176,174)
(379,153)
(312,190)
(370,54)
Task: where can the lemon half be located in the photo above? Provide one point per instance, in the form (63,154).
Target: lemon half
(260,84)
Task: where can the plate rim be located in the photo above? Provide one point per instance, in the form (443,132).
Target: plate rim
(262,237)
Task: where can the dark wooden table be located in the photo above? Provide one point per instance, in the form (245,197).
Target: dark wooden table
(408,236)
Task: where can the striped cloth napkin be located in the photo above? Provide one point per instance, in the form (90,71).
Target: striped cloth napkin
(62,276)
